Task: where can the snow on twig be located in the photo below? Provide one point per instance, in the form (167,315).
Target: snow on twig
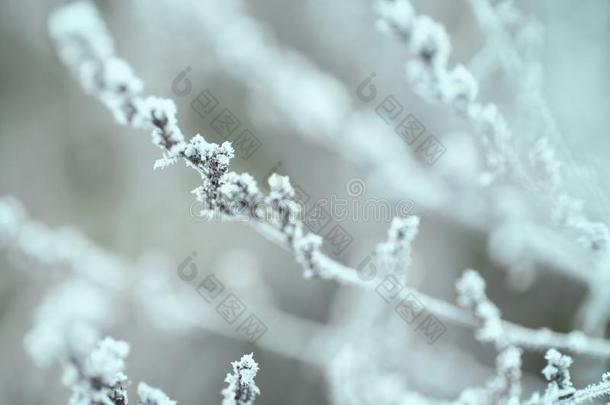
(90,56)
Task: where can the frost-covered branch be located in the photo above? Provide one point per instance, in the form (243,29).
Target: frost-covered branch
(557,373)
(274,71)
(230,195)
(491,328)
(100,377)
(518,55)
(34,243)
(241,388)
(591,392)
(61,329)
(318,108)
(99,281)
(428,41)
(394,255)
(504,388)
(560,389)
(74,42)
(152,396)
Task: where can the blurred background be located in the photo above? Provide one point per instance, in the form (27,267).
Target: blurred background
(288,71)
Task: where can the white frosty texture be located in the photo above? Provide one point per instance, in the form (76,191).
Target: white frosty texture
(100,378)
(394,255)
(118,76)
(65,247)
(471,294)
(397,15)
(430,41)
(241,196)
(62,328)
(85,46)
(76,18)
(241,389)
(153,396)
(307,254)
(160,114)
(214,159)
(504,388)
(285,211)
(433,81)
(460,87)
(280,186)
(557,372)
(107,361)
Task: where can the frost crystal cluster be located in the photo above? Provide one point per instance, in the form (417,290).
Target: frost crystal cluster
(241,388)
(100,378)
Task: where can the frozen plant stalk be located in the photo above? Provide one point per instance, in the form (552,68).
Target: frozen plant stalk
(99,379)
(230,194)
(242,389)
(89,54)
(153,396)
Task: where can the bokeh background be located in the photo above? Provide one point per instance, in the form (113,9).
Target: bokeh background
(63,156)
